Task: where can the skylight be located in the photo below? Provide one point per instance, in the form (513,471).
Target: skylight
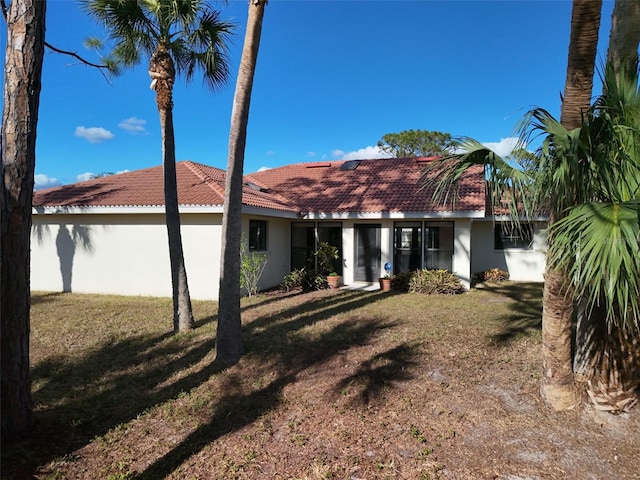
(350,165)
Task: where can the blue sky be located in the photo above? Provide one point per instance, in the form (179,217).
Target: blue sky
(332,78)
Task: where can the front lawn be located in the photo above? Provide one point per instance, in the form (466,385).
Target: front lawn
(334,385)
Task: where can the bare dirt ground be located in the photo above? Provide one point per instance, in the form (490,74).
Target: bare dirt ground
(346,385)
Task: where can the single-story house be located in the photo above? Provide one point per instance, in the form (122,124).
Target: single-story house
(108,235)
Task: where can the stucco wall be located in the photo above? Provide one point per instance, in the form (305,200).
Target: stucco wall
(128,254)
(122,254)
(278,249)
(522,264)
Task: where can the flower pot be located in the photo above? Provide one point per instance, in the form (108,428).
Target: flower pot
(333,281)
(385,284)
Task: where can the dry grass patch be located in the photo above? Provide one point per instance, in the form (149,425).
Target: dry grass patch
(334,385)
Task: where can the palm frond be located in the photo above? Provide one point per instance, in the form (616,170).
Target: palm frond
(599,246)
(193,32)
(508,185)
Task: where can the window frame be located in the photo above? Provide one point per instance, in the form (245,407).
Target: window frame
(520,237)
(258,240)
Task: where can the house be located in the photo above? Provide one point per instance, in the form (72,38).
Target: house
(108,235)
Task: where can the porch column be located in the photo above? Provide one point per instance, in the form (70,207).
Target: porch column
(462,251)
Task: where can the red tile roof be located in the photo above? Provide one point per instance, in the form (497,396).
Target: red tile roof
(381,185)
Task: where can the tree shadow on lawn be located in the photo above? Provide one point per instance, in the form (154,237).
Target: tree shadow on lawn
(289,357)
(525,307)
(87,396)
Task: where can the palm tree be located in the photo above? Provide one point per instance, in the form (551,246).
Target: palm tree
(625,35)
(604,230)
(23,70)
(176,35)
(589,176)
(229,345)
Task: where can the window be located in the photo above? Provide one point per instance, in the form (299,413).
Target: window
(509,236)
(258,235)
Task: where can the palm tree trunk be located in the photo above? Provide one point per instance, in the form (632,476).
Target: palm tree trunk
(162,71)
(23,71)
(557,386)
(625,35)
(583,42)
(229,345)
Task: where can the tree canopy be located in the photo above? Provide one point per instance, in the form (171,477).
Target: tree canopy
(416,143)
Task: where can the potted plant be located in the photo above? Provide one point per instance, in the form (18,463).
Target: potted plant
(385,282)
(326,255)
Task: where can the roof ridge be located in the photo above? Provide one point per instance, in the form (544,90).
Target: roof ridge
(196,169)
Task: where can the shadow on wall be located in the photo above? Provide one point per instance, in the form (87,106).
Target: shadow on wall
(66,243)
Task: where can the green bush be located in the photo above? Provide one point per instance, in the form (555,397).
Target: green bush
(307,280)
(401,281)
(293,280)
(491,275)
(435,281)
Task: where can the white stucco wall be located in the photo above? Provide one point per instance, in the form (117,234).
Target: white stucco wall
(122,254)
(128,254)
(278,249)
(462,250)
(525,265)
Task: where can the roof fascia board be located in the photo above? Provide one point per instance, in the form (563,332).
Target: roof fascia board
(269,212)
(390,215)
(508,218)
(123,210)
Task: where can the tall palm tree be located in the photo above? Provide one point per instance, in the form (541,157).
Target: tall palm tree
(557,384)
(625,35)
(178,36)
(604,230)
(589,176)
(23,70)
(229,345)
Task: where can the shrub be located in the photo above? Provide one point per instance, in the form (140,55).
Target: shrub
(293,280)
(435,281)
(251,267)
(491,275)
(307,280)
(312,281)
(401,281)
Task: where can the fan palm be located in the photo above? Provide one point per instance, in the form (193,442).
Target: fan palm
(589,176)
(178,37)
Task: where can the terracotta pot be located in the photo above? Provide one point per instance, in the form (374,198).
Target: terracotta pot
(385,284)
(333,281)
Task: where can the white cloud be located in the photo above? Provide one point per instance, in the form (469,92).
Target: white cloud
(90,175)
(133,125)
(94,134)
(270,153)
(311,154)
(504,147)
(262,169)
(361,154)
(44,181)
(85,176)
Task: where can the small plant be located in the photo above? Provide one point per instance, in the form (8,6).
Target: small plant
(251,267)
(307,280)
(293,280)
(491,275)
(435,281)
(326,255)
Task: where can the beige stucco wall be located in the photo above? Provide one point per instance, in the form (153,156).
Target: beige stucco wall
(128,254)
(278,249)
(525,265)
